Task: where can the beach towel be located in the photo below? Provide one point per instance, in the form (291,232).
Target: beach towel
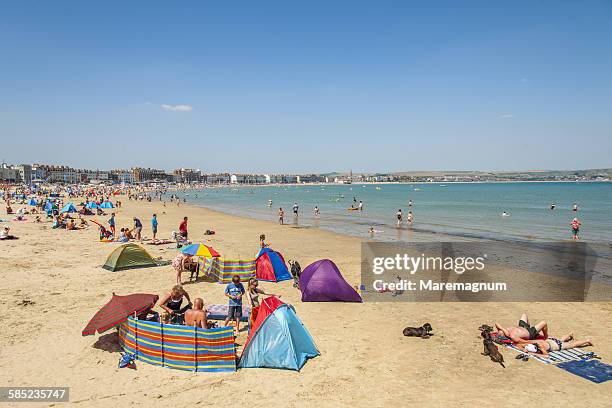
(219,312)
(592,370)
(555,357)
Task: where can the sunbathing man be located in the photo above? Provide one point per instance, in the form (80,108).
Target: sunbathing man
(524,331)
(552,344)
(196,316)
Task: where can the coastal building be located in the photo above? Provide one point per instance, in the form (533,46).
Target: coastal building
(24,173)
(142,175)
(187,175)
(7,174)
(122,176)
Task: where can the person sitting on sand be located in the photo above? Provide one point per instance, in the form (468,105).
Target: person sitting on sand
(180,265)
(128,233)
(524,331)
(196,316)
(70,225)
(9,209)
(4,234)
(83,223)
(172,302)
(552,344)
(122,237)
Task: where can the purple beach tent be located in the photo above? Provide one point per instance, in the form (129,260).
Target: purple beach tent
(321,281)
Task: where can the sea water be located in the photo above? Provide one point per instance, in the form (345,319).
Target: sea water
(452,211)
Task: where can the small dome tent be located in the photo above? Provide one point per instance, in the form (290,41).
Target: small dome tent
(321,281)
(271,267)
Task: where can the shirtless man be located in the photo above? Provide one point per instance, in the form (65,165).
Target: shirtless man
(196,316)
(524,331)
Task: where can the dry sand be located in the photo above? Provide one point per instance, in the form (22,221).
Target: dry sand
(365,360)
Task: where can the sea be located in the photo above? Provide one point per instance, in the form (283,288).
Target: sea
(442,212)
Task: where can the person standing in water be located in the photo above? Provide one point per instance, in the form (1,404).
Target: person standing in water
(409,203)
(575,225)
(295,209)
(409,218)
(269,203)
(575,207)
(398,214)
(552,206)
(316,211)
(281,216)
(360,205)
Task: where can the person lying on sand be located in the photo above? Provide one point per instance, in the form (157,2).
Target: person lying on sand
(9,209)
(524,331)
(196,316)
(552,344)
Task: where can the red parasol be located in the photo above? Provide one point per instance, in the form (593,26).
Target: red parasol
(117,310)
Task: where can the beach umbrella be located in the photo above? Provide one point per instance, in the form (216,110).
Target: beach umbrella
(200,250)
(117,310)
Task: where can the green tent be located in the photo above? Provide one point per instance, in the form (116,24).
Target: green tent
(129,256)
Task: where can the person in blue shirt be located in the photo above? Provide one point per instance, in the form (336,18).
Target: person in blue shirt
(154,225)
(234,291)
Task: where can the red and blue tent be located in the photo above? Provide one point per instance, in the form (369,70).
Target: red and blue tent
(278,338)
(271,267)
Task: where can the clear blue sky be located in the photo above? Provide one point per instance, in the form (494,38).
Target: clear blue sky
(299,86)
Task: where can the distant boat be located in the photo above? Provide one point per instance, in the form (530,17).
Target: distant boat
(417,189)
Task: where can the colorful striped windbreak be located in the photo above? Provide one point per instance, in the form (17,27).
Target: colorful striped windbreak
(179,347)
(223,269)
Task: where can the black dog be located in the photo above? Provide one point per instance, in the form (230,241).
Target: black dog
(423,332)
(490,349)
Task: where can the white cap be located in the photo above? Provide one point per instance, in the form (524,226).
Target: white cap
(531,348)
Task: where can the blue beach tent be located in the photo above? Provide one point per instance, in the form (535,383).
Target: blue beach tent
(91,205)
(106,204)
(278,339)
(32,202)
(69,208)
(50,206)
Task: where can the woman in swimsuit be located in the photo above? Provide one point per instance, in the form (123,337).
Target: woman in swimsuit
(552,344)
(173,301)
(253,293)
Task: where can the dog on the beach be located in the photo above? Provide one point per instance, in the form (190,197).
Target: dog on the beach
(489,347)
(423,332)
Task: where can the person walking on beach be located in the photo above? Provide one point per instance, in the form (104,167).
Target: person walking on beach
(575,225)
(154,225)
(183,228)
(111,223)
(281,216)
(137,229)
(234,291)
(398,214)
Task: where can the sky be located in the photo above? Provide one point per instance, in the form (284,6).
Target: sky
(307,86)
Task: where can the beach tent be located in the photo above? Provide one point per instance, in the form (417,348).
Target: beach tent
(270,266)
(32,202)
(278,339)
(107,204)
(321,281)
(69,208)
(129,256)
(92,205)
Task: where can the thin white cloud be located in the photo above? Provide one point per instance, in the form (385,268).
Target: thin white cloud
(507,116)
(177,108)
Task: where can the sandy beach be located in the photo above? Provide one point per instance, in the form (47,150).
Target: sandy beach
(52,283)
